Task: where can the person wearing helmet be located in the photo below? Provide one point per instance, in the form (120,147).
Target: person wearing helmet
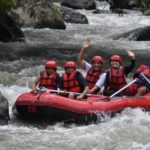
(141,86)
(95,74)
(48,77)
(116,75)
(140,69)
(73,81)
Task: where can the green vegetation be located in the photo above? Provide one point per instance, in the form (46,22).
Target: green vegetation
(6,5)
(145,3)
(58,11)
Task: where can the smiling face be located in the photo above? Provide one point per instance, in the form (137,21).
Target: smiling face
(96,65)
(115,64)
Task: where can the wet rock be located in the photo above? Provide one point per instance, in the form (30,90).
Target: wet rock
(124,4)
(80,4)
(146,12)
(39,14)
(4,110)
(9,30)
(141,34)
(70,16)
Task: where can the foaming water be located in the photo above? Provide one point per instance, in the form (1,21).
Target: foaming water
(12,92)
(126,131)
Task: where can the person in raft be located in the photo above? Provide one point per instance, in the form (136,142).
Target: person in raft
(141,86)
(116,75)
(95,76)
(48,77)
(73,81)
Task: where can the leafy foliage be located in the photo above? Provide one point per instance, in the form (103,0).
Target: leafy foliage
(6,5)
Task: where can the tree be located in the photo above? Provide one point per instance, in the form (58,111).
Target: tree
(6,5)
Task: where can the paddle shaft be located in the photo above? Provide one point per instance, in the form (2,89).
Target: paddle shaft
(145,77)
(122,88)
(63,92)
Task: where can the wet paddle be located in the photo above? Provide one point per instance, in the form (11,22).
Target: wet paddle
(111,96)
(145,77)
(64,92)
(130,83)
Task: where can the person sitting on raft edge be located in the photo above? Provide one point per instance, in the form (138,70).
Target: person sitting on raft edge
(73,82)
(116,75)
(48,77)
(141,86)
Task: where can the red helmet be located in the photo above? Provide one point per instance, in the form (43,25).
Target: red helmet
(51,64)
(98,59)
(70,64)
(142,67)
(116,58)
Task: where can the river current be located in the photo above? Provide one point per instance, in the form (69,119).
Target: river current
(20,63)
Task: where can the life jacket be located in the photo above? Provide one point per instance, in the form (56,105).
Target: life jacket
(117,78)
(146,72)
(145,80)
(92,77)
(48,81)
(70,83)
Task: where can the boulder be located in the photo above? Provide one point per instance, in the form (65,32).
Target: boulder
(39,14)
(140,34)
(146,12)
(9,30)
(80,4)
(71,16)
(4,110)
(124,4)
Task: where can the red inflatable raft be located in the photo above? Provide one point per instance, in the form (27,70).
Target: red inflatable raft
(58,108)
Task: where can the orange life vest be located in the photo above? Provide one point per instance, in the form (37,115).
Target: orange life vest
(117,78)
(48,81)
(70,83)
(92,77)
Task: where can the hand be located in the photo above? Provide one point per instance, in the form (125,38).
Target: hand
(101,90)
(80,97)
(131,54)
(35,91)
(71,95)
(86,43)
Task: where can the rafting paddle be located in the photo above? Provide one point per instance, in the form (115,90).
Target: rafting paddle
(63,92)
(111,96)
(145,77)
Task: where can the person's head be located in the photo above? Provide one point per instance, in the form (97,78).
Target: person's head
(97,62)
(115,61)
(70,66)
(141,68)
(51,66)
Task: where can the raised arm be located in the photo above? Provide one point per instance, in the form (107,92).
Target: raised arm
(86,45)
(131,54)
(129,68)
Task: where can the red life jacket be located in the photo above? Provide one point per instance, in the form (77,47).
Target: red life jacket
(92,77)
(146,72)
(70,83)
(48,81)
(117,78)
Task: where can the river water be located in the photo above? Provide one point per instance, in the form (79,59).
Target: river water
(20,63)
